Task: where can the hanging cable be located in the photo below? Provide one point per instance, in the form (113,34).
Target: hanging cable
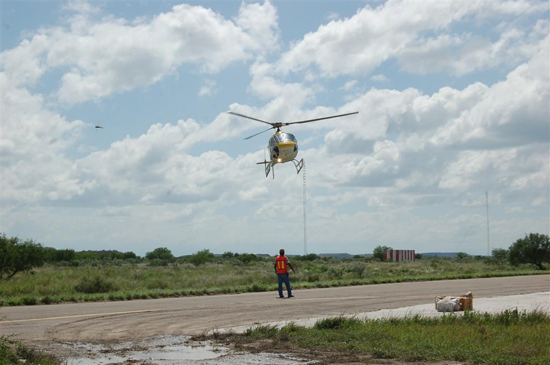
(305,210)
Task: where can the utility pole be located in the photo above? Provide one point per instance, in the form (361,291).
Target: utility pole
(488,237)
(305,210)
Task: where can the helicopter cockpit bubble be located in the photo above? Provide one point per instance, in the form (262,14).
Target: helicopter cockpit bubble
(285,137)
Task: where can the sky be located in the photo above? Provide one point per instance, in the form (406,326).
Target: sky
(453,100)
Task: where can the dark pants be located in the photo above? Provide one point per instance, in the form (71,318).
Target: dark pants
(283,278)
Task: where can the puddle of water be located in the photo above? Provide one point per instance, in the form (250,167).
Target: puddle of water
(164,348)
(87,361)
(180,353)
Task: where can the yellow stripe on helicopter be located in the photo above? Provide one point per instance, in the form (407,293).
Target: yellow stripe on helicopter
(287,144)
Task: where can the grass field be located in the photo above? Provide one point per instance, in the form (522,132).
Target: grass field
(507,338)
(510,337)
(121,280)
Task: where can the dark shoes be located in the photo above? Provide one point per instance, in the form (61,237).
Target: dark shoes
(291,296)
(280,297)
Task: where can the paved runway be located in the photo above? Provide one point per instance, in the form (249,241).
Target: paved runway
(108,322)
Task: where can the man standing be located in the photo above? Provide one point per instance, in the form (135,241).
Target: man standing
(281,268)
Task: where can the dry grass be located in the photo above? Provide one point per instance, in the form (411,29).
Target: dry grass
(119,280)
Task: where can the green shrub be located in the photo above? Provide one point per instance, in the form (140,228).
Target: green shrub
(534,249)
(19,256)
(312,277)
(29,300)
(309,257)
(14,352)
(95,284)
(201,257)
(336,323)
(161,253)
(262,331)
(358,269)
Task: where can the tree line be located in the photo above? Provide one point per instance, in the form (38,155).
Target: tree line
(17,255)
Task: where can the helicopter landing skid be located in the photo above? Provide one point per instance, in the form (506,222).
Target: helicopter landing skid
(299,165)
(267,167)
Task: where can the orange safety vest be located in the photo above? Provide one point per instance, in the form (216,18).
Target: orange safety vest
(281,265)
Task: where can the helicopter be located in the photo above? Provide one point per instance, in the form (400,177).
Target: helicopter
(283,146)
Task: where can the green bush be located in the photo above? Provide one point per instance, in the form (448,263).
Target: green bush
(161,253)
(95,284)
(500,253)
(309,257)
(336,323)
(14,352)
(29,300)
(533,249)
(378,252)
(18,256)
(357,269)
(201,257)
(247,258)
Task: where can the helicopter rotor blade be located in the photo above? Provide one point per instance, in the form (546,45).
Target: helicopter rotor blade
(254,135)
(245,116)
(316,119)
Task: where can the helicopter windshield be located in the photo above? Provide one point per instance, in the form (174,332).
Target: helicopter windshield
(285,137)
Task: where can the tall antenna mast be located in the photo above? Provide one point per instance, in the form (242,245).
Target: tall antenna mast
(488,237)
(305,210)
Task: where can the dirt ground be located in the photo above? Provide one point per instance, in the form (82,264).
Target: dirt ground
(222,351)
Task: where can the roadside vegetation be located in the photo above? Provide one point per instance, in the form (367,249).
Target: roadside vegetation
(116,279)
(510,337)
(15,352)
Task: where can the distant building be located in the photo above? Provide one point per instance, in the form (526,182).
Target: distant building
(399,255)
(264,255)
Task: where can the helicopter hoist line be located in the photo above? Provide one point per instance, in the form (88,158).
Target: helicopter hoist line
(283,146)
(305,210)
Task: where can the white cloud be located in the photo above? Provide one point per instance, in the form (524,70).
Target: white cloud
(80,6)
(349,85)
(468,53)
(253,193)
(261,22)
(380,78)
(503,114)
(32,144)
(358,45)
(111,56)
(333,16)
(454,141)
(208,88)
(23,65)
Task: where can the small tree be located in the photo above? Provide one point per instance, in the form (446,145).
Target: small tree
(378,252)
(309,257)
(129,255)
(462,256)
(533,249)
(247,258)
(500,254)
(18,256)
(201,257)
(161,253)
(228,255)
